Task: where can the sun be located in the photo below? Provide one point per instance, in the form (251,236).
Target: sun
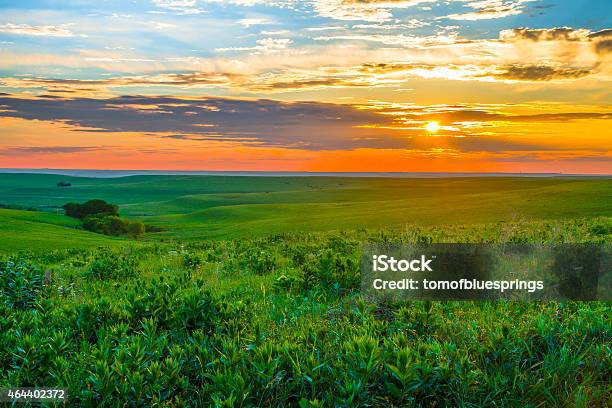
(432,127)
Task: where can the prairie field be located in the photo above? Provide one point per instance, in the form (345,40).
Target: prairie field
(202,207)
(249,296)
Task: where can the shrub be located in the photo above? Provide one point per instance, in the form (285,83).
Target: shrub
(330,270)
(135,228)
(91,207)
(112,266)
(113,225)
(191,261)
(261,262)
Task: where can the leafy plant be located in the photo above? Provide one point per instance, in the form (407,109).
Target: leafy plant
(21,284)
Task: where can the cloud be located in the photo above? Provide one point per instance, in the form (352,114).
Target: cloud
(368,75)
(179,6)
(567,41)
(537,73)
(40,31)
(509,72)
(274,64)
(408,41)
(29,150)
(467,114)
(248,22)
(602,40)
(325,28)
(365,10)
(264,45)
(59,85)
(412,23)
(545,34)
(275,32)
(288,80)
(298,125)
(489,9)
(606,34)
(294,125)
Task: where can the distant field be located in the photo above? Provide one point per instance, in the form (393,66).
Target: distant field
(199,207)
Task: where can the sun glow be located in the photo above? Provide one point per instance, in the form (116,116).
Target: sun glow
(432,127)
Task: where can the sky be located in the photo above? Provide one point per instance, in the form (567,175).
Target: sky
(315,85)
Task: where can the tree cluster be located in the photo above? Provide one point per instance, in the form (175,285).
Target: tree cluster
(103,218)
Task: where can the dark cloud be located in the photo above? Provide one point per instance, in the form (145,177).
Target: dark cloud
(61,91)
(539,73)
(514,72)
(607,33)
(298,125)
(603,47)
(50,96)
(543,34)
(327,82)
(381,68)
(304,125)
(602,40)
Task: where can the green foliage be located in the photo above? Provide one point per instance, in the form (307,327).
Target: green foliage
(260,262)
(279,322)
(111,265)
(113,225)
(191,261)
(90,208)
(21,284)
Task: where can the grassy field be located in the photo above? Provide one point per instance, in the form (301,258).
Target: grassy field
(279,321)
(40,231)
(200,207)
(269,312)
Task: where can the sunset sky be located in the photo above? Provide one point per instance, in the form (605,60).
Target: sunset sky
(320,85)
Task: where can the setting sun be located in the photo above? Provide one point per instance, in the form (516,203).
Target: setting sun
(432,127)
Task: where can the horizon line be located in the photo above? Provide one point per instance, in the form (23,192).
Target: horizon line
(270,173)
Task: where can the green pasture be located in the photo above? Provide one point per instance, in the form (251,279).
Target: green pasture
(269,312)
(38,231)
(200,207)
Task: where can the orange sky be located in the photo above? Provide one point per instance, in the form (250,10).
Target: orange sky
(327,85)
(135,151)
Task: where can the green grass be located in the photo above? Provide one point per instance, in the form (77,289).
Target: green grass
(268,313)
(40,231)
(201,207)
(279,321)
